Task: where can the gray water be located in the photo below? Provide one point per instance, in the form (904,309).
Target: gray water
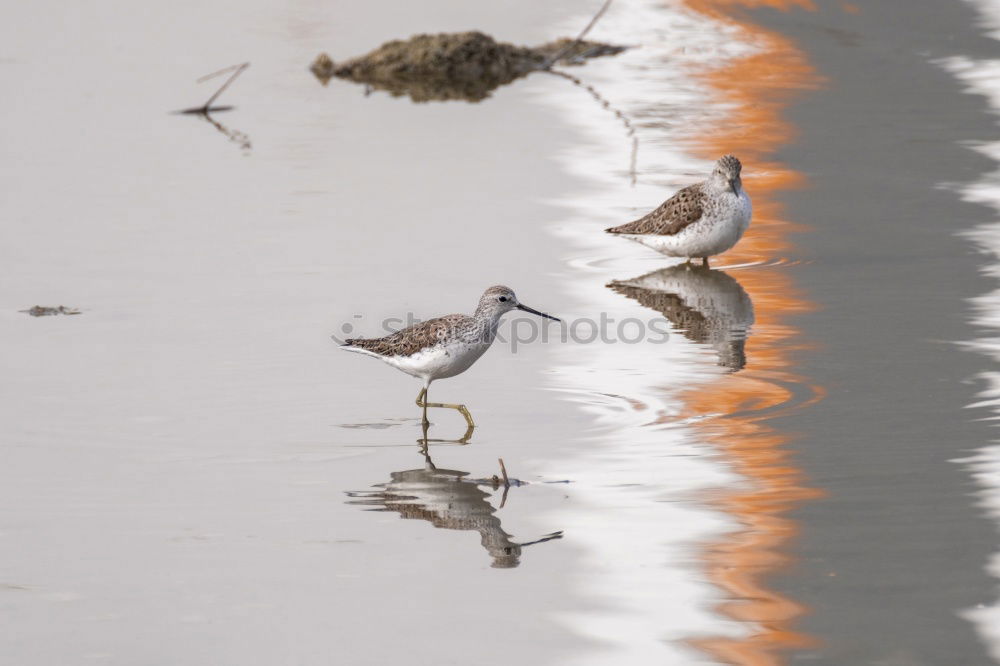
(885,441)
(192,472)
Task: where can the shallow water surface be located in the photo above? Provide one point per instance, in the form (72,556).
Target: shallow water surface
(762,461)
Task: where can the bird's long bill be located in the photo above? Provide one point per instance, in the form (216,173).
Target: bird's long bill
(521,306)
(733,187)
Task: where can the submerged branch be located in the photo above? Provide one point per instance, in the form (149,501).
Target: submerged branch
(205,110)
(240,138)
(579,38)
(605,103)
(207,107)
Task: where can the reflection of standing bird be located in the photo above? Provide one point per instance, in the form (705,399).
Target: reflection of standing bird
(707,306)
(445,346)
(448,500)
(701,220)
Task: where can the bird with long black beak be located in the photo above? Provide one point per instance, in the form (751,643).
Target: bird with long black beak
(445,346)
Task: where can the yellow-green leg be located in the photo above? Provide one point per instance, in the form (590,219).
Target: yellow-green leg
(468,433)
(461,408)
(424,449)
(425,441)
(421,403)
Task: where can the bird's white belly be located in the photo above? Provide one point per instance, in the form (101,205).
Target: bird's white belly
(713,234)
(440,361)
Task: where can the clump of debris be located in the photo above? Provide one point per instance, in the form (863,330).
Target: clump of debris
(447,66)
(44,311)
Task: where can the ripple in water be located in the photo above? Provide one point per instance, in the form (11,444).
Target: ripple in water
(685,483)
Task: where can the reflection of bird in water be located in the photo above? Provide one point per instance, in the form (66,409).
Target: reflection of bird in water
(448,499)
(707,306)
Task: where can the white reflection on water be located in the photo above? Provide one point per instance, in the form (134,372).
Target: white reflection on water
(983,77)
(640,476)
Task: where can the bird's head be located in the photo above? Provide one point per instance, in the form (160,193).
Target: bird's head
(498,300)
(727,173)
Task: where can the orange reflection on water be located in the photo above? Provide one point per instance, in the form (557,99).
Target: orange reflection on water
(718,8)
(758,88)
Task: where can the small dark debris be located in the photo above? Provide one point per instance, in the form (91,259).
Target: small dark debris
(43,311)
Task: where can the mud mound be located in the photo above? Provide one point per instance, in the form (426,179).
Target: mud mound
(465,65)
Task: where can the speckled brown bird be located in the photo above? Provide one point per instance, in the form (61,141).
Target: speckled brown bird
(445,346)
(701,220)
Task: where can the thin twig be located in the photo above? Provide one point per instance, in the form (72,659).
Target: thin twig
(579,38)
(207,107)
(207,77)
(547,537)
(237,70)
(235,136)
(629,127)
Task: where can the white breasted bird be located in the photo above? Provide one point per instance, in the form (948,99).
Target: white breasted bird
(445,346)
(701,220)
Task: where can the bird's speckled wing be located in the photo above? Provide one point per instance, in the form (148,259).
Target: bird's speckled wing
(413,339)
(673,215)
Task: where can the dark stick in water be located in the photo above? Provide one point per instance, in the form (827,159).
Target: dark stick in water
(207,107)
(579,38)
(629,127)
(503,470)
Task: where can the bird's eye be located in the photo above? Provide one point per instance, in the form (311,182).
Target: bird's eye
(503,299)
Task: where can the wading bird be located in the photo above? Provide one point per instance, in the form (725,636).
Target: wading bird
(701,220)
(445,346)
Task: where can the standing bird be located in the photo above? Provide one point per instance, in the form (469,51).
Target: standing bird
(702,220)
(445,346)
